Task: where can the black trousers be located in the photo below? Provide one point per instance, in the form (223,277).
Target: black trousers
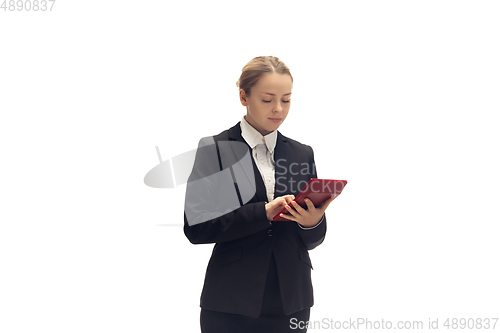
(271,320)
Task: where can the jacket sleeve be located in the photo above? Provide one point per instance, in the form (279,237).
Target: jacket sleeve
(212,210)
(312,237)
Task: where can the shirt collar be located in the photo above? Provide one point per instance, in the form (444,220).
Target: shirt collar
(253,137)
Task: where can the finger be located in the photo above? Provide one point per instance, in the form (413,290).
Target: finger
(291,210)
(309,204)
(298,208)
(329,200)
(289,217)
(277,204)
(289,198)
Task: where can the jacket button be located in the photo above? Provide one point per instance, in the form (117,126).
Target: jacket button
(270,232)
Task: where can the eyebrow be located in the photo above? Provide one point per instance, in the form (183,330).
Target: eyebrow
(262,92)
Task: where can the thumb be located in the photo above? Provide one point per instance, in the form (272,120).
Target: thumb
(325,204)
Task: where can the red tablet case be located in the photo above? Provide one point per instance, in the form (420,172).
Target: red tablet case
(318,191)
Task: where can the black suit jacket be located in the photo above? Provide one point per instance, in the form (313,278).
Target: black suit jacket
(245,239)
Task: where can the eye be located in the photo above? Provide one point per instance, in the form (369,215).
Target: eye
(286,101)
(266,101)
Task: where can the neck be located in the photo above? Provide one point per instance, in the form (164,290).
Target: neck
(261,131)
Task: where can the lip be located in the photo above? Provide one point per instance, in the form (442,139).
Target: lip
(275,120)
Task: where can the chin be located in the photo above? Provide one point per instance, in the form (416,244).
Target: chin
(274,128)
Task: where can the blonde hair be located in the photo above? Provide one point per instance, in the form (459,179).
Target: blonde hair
(257,67)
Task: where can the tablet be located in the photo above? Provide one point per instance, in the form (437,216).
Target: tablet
(318,191)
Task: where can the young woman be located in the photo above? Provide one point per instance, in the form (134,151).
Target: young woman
(259,275)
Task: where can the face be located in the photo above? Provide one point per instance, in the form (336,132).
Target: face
(268,103)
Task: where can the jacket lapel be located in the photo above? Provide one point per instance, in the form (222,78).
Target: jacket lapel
(234,134)
(281,160)
(282,157)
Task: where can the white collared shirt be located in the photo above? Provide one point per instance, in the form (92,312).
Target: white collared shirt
(263,154)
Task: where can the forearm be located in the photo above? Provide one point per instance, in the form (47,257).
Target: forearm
(241,222)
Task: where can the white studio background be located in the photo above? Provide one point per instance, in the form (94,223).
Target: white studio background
(398,97)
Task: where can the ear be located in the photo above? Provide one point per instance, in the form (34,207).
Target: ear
(243,98)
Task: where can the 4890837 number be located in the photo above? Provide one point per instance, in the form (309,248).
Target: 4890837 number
(27,5)
(470,323)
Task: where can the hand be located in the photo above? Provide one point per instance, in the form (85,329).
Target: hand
(274,207)
(306,217)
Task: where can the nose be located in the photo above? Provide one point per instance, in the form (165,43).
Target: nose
(278,107)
